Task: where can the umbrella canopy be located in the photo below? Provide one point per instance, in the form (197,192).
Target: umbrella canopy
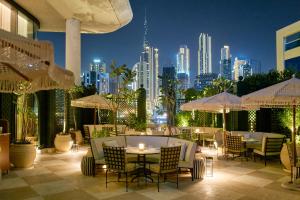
(222,102)
(93,101)
(27,66)
(284,94)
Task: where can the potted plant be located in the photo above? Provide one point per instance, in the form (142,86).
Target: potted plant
(63,141)
(23,152)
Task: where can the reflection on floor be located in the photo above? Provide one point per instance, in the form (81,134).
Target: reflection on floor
(58,176)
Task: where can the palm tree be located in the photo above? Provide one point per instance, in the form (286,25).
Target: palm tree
(168,100)
(123,77)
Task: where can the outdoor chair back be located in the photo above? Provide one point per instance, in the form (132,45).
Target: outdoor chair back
(272,145)
(114,158)
(169,159)
(235,146)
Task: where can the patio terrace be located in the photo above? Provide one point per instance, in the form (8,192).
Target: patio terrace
(58,176)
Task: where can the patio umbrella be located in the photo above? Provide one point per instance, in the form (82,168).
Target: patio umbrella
(93,101)
(282,95)
(222,103)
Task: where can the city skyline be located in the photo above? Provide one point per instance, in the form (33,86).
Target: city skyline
(254,38)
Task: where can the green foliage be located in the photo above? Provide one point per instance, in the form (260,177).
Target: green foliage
(28,119)
(259,81)
(191,94)
(122,76)
(168,98)
(140,125)
(286,119)
(183,119)
(136,123)
(101,133)
(218,85)
(141,104)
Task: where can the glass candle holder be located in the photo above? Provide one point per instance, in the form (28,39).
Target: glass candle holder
(141,146)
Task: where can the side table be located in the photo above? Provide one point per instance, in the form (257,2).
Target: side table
(87,165)
(199,168)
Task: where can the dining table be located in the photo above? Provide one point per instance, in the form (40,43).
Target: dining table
(142,171)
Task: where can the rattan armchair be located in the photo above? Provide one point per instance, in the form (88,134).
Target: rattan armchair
(235,146)
(270,147)
(169,159)
(115,160)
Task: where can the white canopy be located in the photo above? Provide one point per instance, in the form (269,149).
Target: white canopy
(30,63)
(284,94)
(93,101)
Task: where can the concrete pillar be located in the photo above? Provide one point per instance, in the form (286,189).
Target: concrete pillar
(73,48)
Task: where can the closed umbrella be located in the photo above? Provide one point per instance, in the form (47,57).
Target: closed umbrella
(282,95)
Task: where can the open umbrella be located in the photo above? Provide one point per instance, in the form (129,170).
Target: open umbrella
(222,102)
(282,95)
(93,101)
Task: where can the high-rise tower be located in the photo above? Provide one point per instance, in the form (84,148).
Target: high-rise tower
(183,66)
(225,63)
(147,71)
(204,54)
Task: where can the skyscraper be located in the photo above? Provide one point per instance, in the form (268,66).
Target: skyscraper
(241,67)
(183,66)
(225,63)
(97,76)
(204,54)
(147,72)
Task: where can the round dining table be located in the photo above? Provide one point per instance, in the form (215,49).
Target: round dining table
(141,160)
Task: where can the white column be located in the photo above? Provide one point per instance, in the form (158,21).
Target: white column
(73,48)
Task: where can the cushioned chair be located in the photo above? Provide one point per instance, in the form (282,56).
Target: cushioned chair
(297,165)
(169,159)
(270,147)
(115,159)
(235,146)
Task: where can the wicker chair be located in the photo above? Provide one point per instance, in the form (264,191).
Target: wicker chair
(297,175)
(235,146)
(115,159)
(169,159)
(270,147)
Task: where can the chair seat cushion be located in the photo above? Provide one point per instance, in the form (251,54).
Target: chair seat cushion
(153,158)
(100,161)
(131,158)
(184,164)
(130,167)
(258,151)
(156,169)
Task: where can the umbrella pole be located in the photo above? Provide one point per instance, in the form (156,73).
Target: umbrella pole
(95,113)
(294,143)
(224,129)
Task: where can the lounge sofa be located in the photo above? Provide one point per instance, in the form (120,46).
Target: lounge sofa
(257,135)
(186,160)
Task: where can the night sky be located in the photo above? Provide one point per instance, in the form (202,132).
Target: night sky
(247,26)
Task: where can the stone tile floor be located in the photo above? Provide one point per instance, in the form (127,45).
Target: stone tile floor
(58,176)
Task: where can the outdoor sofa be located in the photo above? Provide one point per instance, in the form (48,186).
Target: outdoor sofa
(186,158)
